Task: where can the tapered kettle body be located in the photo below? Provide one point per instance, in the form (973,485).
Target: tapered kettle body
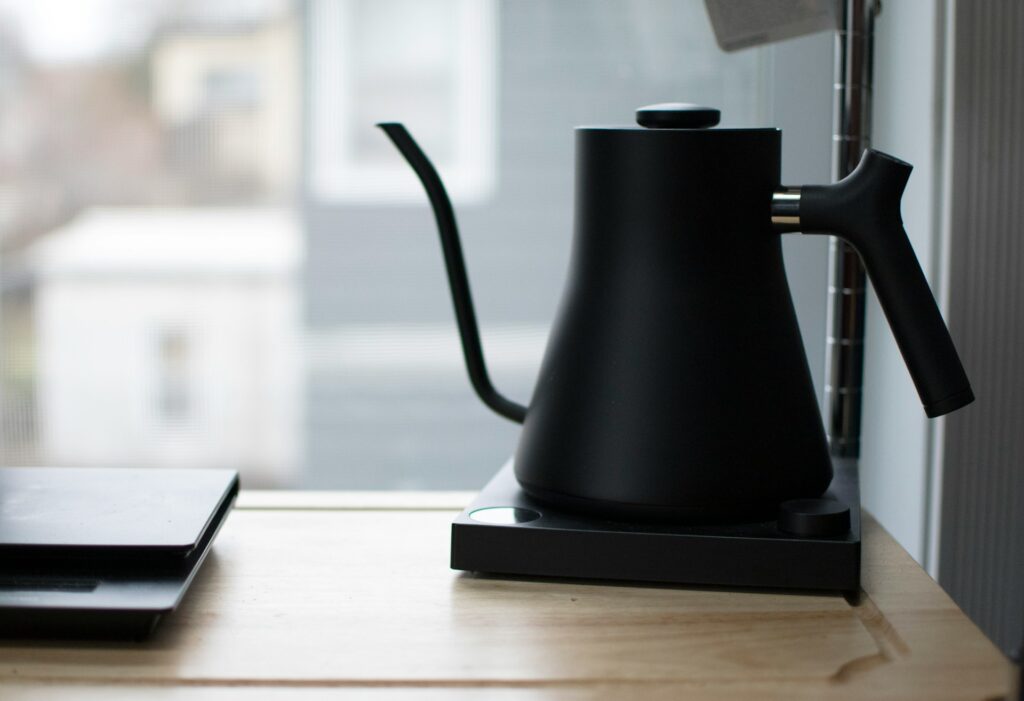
(675,382)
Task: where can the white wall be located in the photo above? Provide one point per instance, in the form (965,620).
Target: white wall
(896,435)
(99,373)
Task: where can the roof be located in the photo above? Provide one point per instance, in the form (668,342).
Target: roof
(113,241)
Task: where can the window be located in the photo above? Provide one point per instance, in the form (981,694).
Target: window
(175,396)
(209,257)
(429,61)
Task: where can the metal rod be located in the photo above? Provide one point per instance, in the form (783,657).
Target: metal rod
(851,135)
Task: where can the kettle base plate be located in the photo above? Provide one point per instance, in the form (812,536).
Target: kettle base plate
(507,532)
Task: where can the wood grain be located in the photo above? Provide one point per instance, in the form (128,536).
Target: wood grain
(356,594)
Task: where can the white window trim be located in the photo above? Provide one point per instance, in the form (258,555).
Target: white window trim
(333,175)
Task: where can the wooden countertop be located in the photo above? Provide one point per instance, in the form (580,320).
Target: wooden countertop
(306,595)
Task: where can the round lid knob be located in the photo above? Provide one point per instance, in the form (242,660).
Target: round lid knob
(677,115)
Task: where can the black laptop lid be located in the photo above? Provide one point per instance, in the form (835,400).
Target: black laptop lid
(44,509)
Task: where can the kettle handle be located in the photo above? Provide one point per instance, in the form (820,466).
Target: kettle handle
(462,300)
(864,210)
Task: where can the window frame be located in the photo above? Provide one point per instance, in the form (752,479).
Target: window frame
(335,176)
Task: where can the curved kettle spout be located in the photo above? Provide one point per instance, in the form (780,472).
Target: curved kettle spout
(462,300)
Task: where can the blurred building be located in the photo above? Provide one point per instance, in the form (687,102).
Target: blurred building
(164,337)
(136,328)
(229,99)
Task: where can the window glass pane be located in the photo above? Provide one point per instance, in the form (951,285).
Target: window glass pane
(209,257)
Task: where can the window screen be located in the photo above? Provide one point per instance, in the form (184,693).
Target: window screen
(210,258)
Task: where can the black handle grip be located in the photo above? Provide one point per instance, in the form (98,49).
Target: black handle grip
(864,209)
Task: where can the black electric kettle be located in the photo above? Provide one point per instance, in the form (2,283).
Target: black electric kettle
(674,384)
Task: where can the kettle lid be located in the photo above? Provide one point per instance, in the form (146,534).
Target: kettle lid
(677,115)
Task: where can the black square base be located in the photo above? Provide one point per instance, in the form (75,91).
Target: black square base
(504,531)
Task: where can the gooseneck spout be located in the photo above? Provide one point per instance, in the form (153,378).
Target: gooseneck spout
(462,300)
(864,210)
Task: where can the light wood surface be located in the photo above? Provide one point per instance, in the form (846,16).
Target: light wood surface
(307,597)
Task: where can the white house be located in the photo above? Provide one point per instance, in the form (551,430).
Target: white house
(169,337)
